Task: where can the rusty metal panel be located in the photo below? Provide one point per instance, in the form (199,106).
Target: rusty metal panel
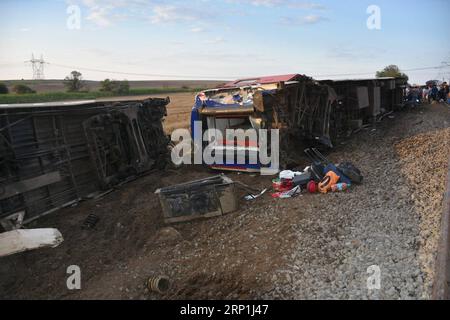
(198,199)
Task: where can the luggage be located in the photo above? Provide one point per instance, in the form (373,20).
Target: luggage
(343,179)
(318,163)
(302,179)
(349,170)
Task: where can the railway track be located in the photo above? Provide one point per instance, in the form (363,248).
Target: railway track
(442,278)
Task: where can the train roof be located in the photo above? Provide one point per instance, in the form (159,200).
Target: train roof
(129,99)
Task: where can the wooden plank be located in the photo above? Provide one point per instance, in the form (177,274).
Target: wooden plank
(22,186)
(23,240)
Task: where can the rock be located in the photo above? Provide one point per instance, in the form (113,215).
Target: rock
(168,235)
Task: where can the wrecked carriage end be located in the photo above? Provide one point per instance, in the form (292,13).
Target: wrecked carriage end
(221,110)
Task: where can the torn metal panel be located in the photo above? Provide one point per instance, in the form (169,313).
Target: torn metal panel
(263,81)
(23,186)
(91,144)
(239,111)
(198,199)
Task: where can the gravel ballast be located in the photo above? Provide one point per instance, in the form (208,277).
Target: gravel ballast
(391,221)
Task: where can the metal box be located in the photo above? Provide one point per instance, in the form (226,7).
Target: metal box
(198,199)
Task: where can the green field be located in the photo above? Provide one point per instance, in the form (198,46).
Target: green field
(65,96)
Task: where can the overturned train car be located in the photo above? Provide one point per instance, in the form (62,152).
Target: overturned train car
(55,154)
(302,108)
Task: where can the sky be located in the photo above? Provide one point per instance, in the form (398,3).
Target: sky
(224,39)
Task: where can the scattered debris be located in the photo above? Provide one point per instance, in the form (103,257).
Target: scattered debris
(288,194)
(350,171)
(312,187)
(339,187)
(282,185)
(302,179)
(13,221)
(253,197)
(159,284)
(90,221)
(330,179)
(288,174)
(16,241)
(168,235)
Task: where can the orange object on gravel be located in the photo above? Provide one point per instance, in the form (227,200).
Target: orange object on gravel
(330,179)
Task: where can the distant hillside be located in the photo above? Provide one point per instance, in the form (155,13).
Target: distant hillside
(44,86)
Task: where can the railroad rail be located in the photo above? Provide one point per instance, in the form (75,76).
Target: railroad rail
(442,272)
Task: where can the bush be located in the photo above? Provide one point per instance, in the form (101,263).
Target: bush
(22,89)
(123,87)
(74,82)
(118,87)
(106,85)
(391,71)
(3,88)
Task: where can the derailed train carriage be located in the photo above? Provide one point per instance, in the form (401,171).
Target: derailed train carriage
(55,154)
(300,107)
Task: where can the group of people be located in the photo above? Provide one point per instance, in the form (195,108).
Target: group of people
(429,93)
(435,93)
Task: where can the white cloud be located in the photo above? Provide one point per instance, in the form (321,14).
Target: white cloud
(305,20)
(171,14)
(104,13)
(198,29)
(216,40)
(282,3)
(100,16)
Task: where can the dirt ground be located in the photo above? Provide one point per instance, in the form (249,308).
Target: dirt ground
(179,111)
(233,256)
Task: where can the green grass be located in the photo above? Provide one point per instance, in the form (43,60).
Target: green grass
(65,96)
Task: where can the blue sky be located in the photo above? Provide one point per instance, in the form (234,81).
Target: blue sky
(224,39)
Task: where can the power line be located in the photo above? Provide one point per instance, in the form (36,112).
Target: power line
(39,65)
(228,77)
(363,74)
(134,73)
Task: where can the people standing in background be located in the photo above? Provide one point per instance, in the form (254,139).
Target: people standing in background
(440,97)
(446,93)
(425,91)
(434,93)
(443,92)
